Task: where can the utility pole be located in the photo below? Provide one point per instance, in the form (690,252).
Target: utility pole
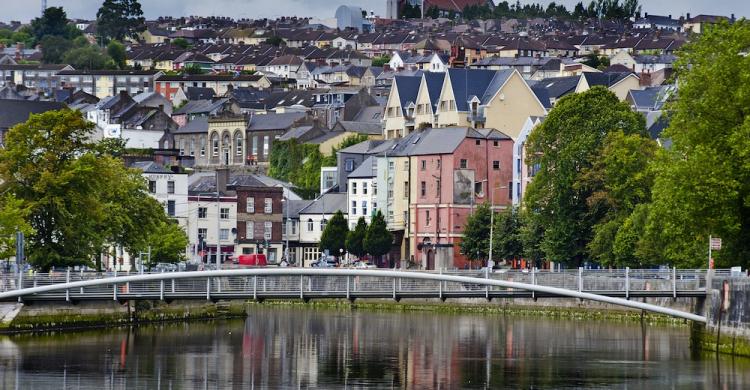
(218,223)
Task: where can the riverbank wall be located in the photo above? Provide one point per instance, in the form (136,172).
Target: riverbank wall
(727,311)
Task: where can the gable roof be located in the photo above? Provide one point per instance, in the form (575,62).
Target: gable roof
(367,169)
(13,112)
(469,83)
(150,167)
(408,87)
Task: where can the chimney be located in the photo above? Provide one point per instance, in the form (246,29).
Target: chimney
(161,107)
(645,15)
(687,17)
(670,16)
(123,94)
(222,178)
(732,18)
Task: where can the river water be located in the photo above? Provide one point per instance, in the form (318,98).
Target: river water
(297,347)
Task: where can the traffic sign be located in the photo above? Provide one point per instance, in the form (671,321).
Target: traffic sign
(715,243)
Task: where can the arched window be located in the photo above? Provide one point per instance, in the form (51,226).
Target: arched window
(310,225)
(323,223)
(215,144)
(238,143)
(192,146)
(226,148)
(203,145)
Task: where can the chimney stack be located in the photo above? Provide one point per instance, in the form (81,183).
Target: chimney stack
(687,17)
(222,178)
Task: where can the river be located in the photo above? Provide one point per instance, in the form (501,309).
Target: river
(298,347)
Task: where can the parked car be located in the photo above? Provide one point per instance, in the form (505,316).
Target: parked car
(364,264)
(256,260)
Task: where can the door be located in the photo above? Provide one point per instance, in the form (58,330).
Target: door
(430,259)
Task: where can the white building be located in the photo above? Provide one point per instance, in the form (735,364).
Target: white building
(523,174)
(362,191)
(313,220)
(209,219)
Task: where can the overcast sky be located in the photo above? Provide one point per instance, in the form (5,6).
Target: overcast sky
(25,10)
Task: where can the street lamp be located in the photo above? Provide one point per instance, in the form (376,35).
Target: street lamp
(490,262)
(285,200)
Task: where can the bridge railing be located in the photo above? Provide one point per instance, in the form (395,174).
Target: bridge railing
(597,281)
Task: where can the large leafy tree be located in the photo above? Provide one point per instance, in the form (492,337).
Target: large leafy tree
(564,146)
(506,237)
(334,235)
(619,180)
(120,19)
(475,244)
(116,52)
(355,240)
(167,243)
(88,57)
(79,198)
(378,240)
(53,22)
(13,217)
(54,49)
(702,185)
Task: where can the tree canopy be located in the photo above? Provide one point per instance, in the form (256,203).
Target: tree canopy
(378,239)
(475,244)
(120,19)
(78,199)
(334,235)
(563,147)
(702,184)
(355,240)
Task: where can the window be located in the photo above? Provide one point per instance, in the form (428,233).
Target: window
(364,207)
(390,190)
(349,164)
(202,233)
(406,166)
(364,188)
(267,230)
(170,208)
(479,188)
(354,188)
(464,163)
(423,189)
(238,142)
(223,234)
(478,142)
(250,204)
(265,145)
(268,205)
(152,186)
(170,187)
(224,213)
(438,163)
(203,146)
(354,207)
(310,225)
(495,143)
(406,189)
(202,212)
(437,187)
(510,190)
(255,145)
(424,164)
(215,145)
(496,165)
(250,230)
(390,165)
(427,217)
(323,223)
(192,146)
(294,227)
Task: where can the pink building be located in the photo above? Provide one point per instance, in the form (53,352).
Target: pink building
(453,170)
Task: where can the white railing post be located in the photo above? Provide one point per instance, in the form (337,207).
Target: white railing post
(394,288)
(81,280)
(114,288)
(255,287)
(67,280)
(301,286)
(440,285)
(348,288)
(208,289)
(627,282)
(674,282)
(172,286)
(487,287)
(580,279)
(161,288)
(533,282)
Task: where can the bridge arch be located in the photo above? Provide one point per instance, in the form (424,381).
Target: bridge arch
(21,293)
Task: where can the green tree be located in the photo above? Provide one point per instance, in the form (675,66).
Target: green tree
(167,242)
(275,40)
(334,235)
(54,48)
(702,184)
(355,240)
(381,60)
(13,218)
(119,19)
(79,199)
(619,181)
(88,58)
(506,237)
(116,52)
(181,43)
(475,243)
(563,147)
(531,235)
(53,22)
(378,240)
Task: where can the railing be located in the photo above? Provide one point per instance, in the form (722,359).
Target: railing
(614,287)
(629,282)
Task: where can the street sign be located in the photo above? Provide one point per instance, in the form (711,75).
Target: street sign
(715,243)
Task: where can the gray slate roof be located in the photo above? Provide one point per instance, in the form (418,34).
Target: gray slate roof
(328,203)
(197,125)
(274,121)
(367,169)
(13,112)
(150,167)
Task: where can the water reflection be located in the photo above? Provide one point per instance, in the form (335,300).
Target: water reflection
(300,348)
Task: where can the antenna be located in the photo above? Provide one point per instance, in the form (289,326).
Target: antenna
(44,6)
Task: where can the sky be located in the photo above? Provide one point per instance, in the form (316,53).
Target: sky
(25,10)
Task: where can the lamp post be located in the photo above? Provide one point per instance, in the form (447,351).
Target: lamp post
(490,262)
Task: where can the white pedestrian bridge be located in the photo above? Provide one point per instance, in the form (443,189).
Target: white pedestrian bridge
(617,287)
